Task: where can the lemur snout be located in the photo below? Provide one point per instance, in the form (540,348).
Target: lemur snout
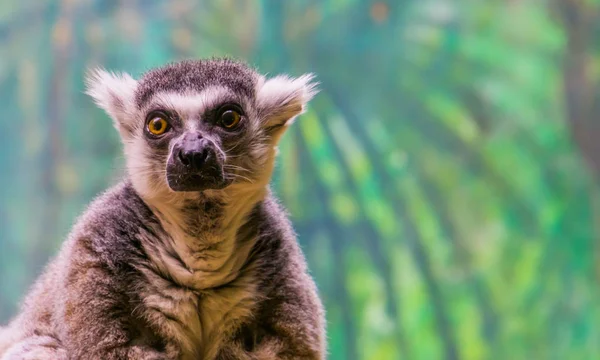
(194,164)
(195,151)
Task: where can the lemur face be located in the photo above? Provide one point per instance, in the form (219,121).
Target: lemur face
(200,125)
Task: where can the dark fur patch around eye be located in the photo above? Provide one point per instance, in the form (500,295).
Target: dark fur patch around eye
(160,145)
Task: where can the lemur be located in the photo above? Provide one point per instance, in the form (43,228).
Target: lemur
(190,256)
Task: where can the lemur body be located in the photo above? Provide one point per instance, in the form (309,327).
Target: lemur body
(190,257)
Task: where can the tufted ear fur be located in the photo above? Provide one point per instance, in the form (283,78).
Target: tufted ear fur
(282,98)
(115,94)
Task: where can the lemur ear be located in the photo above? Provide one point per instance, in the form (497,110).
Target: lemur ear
(282,98)
(115,94)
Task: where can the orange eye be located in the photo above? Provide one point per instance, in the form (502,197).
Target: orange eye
(230,119)
(157,125)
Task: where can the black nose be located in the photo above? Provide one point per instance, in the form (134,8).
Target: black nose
(194,152)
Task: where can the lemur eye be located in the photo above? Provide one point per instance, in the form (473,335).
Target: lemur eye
(157,125)
(229,118)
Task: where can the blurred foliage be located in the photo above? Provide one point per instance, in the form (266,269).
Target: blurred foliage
(443,184)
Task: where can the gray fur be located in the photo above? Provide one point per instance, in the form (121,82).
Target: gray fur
(196,76)
(149,273)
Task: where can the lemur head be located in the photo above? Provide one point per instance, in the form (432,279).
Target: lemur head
(199,125)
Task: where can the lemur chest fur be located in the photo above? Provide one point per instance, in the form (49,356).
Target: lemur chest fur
(203,282)
(199,321)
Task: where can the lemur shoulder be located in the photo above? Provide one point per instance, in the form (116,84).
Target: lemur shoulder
(190,256)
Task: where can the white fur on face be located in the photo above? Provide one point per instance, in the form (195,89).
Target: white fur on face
(282,98)
(190,104)
(115,94)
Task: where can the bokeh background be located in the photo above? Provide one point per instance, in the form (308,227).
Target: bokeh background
(444,184)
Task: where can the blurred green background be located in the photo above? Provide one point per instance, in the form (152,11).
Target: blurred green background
(444,184)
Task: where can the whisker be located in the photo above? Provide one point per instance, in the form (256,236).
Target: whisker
(241,177)
(234,146)
(235,167)
(151,172)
